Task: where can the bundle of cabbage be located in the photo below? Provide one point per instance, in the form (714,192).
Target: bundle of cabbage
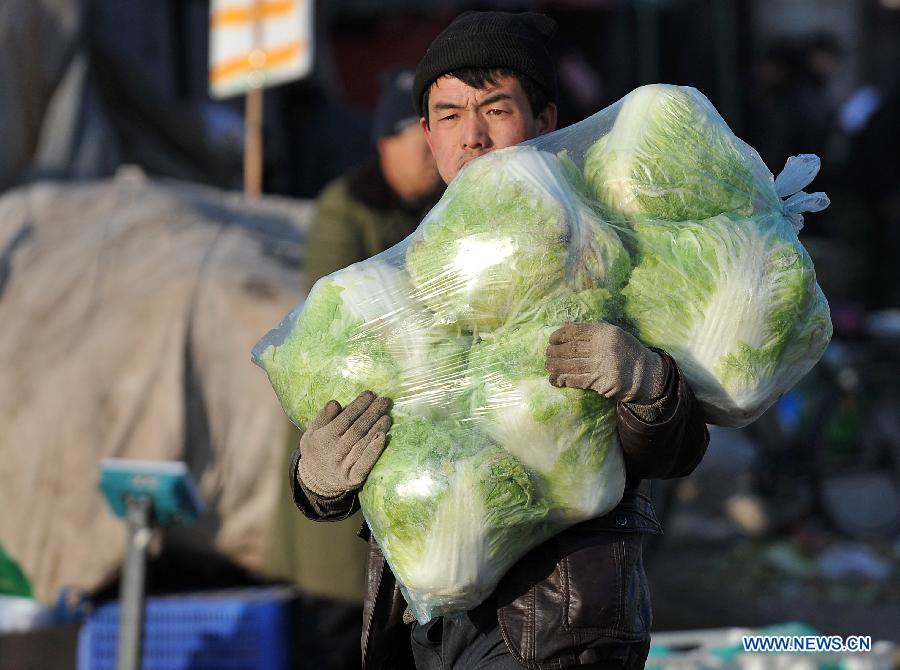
(650,214)
(485,459)
(720,280)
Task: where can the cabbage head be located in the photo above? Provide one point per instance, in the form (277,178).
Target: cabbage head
(670,155)
(452,513)
(566,436)
(508,234)
(735,302)
(359,329)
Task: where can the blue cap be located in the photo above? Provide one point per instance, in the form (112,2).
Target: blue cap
(395,111)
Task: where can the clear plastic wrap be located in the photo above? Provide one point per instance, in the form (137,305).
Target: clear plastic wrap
(649,214)
(719,277)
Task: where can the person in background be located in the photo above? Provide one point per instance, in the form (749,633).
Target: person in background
(581,599)
(374,206)
(382,201)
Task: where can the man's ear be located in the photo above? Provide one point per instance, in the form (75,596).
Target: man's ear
(546,120)
(424,125)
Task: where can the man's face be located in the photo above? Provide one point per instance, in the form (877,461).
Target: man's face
(465,122)
(407,163)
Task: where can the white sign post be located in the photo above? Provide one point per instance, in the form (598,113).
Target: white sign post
(254,44)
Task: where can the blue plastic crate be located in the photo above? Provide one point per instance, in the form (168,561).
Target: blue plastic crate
(246,629)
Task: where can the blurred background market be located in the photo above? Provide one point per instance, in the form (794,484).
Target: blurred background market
(136,275)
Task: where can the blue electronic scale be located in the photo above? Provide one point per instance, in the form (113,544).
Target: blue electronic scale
(145,494)
(167,484)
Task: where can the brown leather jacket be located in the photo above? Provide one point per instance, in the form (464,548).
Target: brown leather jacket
(568,600)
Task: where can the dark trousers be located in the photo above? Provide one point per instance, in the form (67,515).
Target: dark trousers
(473,642)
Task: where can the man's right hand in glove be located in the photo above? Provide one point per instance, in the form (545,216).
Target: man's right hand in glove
(340,447)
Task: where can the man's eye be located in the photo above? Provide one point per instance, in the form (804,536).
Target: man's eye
(495,111)
(449,117)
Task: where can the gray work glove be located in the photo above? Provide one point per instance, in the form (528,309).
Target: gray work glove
(605,358)
(340,447)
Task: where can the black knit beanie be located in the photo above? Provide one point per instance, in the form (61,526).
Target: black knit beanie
(519,42)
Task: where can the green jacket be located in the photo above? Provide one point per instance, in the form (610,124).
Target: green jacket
(357,216)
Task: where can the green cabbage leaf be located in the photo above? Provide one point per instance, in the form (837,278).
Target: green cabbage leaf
(735,302)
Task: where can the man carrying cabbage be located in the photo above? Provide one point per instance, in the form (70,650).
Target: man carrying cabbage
(581,598)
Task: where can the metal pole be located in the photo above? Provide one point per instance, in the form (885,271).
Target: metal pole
(253,109)
(131,592)
(253,148)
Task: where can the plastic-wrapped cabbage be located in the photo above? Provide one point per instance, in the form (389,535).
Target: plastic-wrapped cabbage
(735,302)
(566,436)
(650,214)
(509,233)
(721,280)
(452,512)
(455,332)
(361,328)
(455,502)
(671,156)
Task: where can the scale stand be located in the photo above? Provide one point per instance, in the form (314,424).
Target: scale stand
(145,494)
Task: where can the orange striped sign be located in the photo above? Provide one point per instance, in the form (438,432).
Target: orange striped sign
(231,15)
(256,43)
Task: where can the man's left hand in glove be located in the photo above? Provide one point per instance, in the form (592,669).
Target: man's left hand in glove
(603,357)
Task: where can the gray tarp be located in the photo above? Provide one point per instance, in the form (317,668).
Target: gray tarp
(128,309)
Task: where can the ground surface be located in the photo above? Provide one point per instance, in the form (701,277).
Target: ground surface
(708,574)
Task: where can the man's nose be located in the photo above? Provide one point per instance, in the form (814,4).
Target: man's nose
(475,134)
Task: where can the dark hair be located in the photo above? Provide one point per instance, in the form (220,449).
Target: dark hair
(482,77)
